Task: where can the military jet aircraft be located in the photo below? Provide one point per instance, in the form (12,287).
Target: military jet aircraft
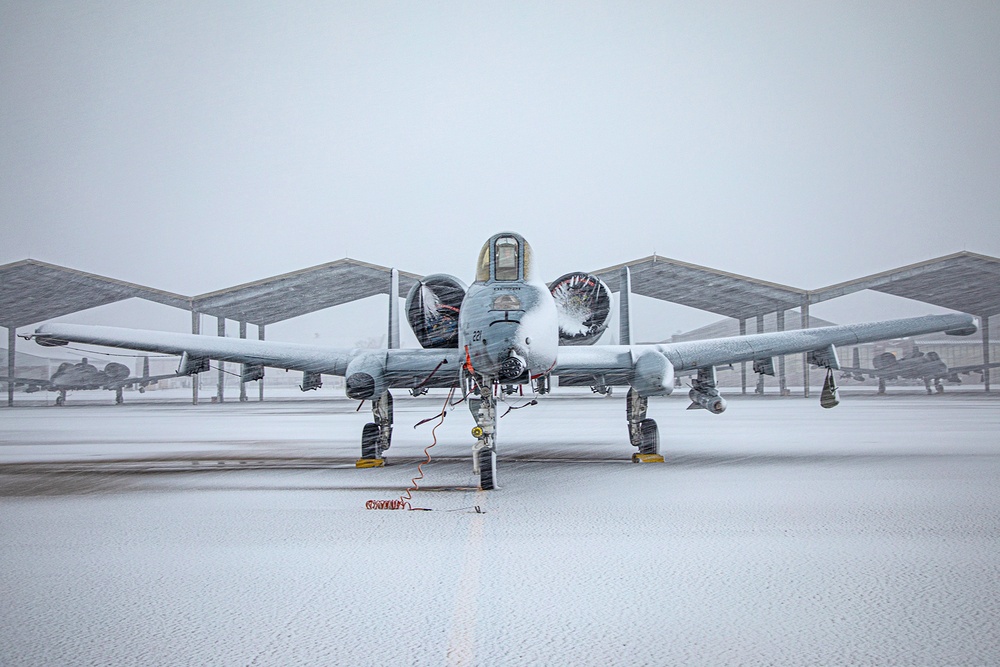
(507,335)
(916,365)
(83,376)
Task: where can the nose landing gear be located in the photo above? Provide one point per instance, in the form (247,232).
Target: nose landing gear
(484,452)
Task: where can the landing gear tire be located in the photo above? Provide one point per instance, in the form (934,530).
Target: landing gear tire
(487,459)
(649,437)
(369,441)
(60,400)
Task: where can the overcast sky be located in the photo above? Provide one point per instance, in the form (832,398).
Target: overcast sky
(193,146)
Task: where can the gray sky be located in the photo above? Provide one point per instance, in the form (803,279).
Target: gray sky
(193,146)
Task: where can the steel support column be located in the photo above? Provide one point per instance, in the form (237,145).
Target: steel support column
(11,355)
(393,335)
(221,386)
(743,364)
(760,376)
(779,317)
(243,385)
(195,329)
(260,382)
(805,355)
(985,322)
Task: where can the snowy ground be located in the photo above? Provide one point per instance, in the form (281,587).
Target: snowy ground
(236,534)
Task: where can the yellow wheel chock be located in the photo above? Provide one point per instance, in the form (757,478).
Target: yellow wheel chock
(370,463)
(647,458)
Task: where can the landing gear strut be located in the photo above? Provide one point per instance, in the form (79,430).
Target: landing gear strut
(61,398)
(642,432)
(484,452)
(118,396)
(377,436)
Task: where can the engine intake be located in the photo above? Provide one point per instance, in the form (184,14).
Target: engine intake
(583,302)
(432,307)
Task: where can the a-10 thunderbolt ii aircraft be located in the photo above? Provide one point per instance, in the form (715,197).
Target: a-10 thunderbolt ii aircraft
(84,376)
(916,365)
(502,332)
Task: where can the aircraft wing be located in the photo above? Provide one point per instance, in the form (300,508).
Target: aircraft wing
(975,368)
(403,368)
(34,384)
(620,364)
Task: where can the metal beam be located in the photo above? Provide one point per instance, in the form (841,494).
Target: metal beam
(986,350)
(11,355)
(195,329)
(221,385)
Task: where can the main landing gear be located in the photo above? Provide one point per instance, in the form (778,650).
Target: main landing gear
(61,398)
(118,396)
(938,387)
(642,432)
(483,405)
(377,436)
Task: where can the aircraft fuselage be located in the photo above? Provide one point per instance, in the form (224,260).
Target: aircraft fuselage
(509,329)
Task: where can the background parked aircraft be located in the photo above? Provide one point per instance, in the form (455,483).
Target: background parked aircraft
(85,376)
(916,365)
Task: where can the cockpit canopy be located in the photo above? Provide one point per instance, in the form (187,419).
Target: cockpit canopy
(505,257)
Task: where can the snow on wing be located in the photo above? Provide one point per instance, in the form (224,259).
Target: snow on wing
(404,368)
(616,360)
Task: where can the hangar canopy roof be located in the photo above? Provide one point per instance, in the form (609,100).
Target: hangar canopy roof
(33,291)
(305,291)
(963,281)
(704,288)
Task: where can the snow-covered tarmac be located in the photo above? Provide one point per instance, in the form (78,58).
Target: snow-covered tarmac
(236,534)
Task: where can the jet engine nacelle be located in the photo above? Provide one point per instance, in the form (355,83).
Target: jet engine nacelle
(884,360)
(652,374)
(709,400)
(116,371)
(432,307)
(365,376)
(583,303)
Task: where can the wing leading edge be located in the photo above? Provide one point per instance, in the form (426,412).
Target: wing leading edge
(617,363)
(403,368)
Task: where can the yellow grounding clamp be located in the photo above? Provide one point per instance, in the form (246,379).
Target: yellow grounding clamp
(369,463)
(647,458)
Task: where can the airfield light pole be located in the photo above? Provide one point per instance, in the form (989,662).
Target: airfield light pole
(11,341)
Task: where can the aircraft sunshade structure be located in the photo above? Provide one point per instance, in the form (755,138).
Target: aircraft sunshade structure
(830,397)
